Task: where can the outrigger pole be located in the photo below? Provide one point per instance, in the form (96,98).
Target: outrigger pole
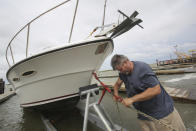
(73,20)
(104,16)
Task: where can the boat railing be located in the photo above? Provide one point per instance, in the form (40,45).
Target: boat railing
(9,47)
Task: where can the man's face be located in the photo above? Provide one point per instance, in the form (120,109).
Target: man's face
(124,68)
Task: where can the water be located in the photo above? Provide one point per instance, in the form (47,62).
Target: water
(14,118)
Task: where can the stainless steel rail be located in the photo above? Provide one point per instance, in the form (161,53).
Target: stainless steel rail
(28,33)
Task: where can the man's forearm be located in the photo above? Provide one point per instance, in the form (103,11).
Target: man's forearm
(116,87)
(147,94)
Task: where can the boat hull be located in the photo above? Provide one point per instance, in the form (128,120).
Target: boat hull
(58,74)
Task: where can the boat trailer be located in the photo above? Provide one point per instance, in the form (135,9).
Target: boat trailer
(99,117)
(92,91)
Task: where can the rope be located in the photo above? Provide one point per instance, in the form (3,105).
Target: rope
(154,119)
(118,109)
(142,113)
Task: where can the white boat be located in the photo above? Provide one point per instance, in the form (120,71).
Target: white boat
(53,78)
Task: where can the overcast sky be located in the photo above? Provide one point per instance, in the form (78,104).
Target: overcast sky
(166,23)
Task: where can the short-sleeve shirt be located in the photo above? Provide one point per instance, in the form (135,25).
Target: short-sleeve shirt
(141,78)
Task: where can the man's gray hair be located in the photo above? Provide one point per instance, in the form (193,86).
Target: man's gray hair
(117,60)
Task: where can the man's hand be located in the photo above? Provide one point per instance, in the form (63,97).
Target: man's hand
(117,98)
(127,101)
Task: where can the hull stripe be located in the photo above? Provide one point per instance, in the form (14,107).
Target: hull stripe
(48,99)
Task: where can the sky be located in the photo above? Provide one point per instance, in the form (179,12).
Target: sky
(166,23)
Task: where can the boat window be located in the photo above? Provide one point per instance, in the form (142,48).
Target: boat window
(16,79)
(28,73)
(101,48)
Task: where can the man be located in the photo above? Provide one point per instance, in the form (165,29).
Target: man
(146,94)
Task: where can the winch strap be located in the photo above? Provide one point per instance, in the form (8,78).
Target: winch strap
(105,88)
(103,93)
